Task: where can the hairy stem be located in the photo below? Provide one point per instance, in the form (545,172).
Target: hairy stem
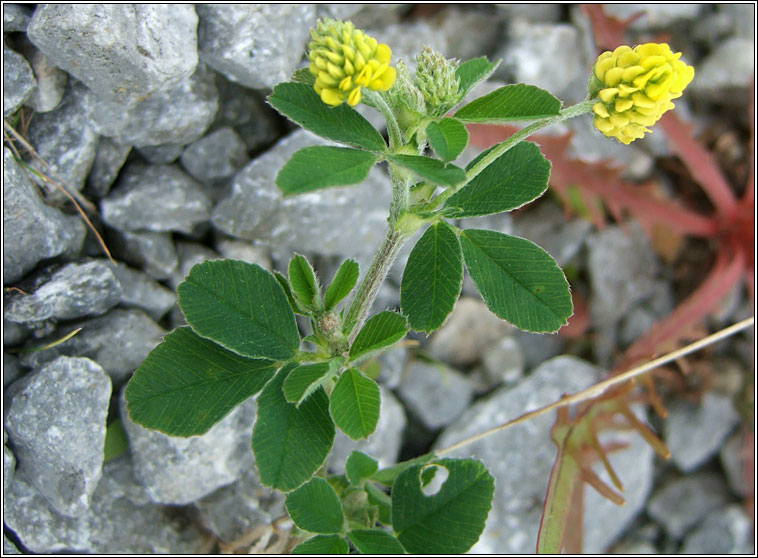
(393,129)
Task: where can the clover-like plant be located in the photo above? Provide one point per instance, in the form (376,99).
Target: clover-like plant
(242,337)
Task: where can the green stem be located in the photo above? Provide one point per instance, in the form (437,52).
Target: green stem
(377,101)
(570,112)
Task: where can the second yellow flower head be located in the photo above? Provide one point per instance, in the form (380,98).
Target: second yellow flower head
(344,60)
(634,87)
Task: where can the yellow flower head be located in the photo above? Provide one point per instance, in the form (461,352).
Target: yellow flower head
(344,59)
(634,87)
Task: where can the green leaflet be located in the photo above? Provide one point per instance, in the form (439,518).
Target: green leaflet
(517,177)
(354,404)
(518,280)
(303,381)
(116,442)
(375,541)
(315,507)
(322,544)
(314,168)
(303,281)
(343,282)
(300,103)
(472,72)
(512,102)
(379,331)
(187,384)
(432,278)
(448,138)
(448,522)
(359,466)
(240,306)
(290,443)
(430,169)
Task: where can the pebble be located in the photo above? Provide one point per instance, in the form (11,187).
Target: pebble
(157,198)
(56,423)
(32,230)
(257,45)
(18,81)
(140,291)
(724,531)
(109,158)
(154,252)
(547,226)
(215,156)
(74,291)
(694,433)
(16,17)
(178,471)
(51,80)
(131,50)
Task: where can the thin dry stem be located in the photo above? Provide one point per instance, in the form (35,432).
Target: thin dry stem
(600,387)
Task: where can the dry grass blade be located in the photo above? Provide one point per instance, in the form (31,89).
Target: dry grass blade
(77,199)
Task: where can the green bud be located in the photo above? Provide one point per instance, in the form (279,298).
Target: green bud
(436,79)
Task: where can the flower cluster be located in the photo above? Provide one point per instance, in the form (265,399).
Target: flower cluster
(634,87)
(344,59)
(437,81)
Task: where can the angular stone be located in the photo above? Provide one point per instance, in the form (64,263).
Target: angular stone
(120,520)
(136,336)
(56,422)
(179,115)
(257,45)
(18,81)
(724,531)
(656,15)
(735,455)
(156,198)
(241,250)
(521,457)
(154,252)
(51,80)
(503,361)
(179,471)
(435,393)
(406,39)
(236,509)
(161,154)
(65,139)
(140,291)
(468,331)
(693,433)
(681,504)
(536,348)
(383,445)
(9,547)
(109,158)
(536,13)
(215,156)
(9,467)
(454,24)
(725,72)
(190,254)
(123,52)
(16,17)
(13,333)
(348,221)
(74,291)
(549,56)
(622,269)
(12,370)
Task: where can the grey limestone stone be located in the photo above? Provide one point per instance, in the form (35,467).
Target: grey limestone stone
(51,80)
(109,158)
(348,221)
(724,531)
(245,251)
(655,15)
(734,456)
(521,457)
(257,45)
(56,422)
(436,393)
(65,139)
(12,369)
(161,154)
(503,361)
(725,74)
(682,503)
(468,331)
(9,547)
(234,510)
(695,432)
(120,520)
(140,291)
(157,198)
(118,341)
(16,17)
(74,291)
(546,225)
(536,13)
(154,252)
(123,52)
(9,467)
(215,156)
(179,471)
(18,80)
(178,115)
(383,445)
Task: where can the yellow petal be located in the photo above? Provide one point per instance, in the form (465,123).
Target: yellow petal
(618,120)
(346,84)
(332,97)
(335,71)
(603,64)
(355,97)
(631,72)
(607,95)
(613,76)
(385,80)
(603,124)
(600,110)
(623,105)
(628,58)
(328,80)
(383,53)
